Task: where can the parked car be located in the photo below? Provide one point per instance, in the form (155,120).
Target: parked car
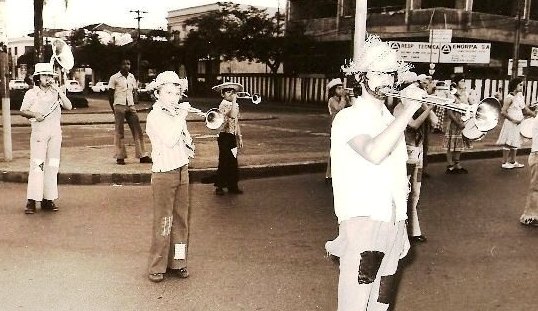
(18,84)
(99,87)
(73,86)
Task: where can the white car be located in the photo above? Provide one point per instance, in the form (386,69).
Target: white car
(18,84)
(73,86)
(100,87)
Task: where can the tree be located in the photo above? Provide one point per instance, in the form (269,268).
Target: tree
(242,34)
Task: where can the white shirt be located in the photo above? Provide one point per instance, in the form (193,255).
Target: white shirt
(165,129)
(534,146)
(38,100)
(360,187)
(124,88)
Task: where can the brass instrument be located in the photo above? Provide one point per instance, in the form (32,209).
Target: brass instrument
(255,98)
(213,117)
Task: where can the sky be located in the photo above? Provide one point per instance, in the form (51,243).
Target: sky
(19,16)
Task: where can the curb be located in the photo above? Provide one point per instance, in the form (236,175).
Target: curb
(246,172)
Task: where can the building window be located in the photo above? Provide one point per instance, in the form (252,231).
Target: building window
(379,6)
(16,52)
(534,10)
(310,9)
(428,4)
(496,7)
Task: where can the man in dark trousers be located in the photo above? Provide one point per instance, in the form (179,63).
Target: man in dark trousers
(122,96)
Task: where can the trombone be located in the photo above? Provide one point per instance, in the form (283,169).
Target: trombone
(485,114)
(255,98)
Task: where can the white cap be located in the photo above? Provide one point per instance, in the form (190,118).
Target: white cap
(228,85)
(44,69)
(334,82)
(422,77)
(169,77)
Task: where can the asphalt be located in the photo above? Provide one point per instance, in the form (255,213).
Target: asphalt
(304,125)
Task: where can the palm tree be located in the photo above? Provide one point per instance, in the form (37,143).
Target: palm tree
(38,29)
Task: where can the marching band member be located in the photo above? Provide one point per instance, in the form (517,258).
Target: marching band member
(530,214)
(41,104)
(415,136)
(338,100)
(229,140)
(171,149)
(512,110)
(370,182)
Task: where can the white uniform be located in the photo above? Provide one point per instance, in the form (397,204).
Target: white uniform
(45,144)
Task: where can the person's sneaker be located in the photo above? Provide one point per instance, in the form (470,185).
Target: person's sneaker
(219,191)
(451,170)
(181,273)
(507,165)
(518,165)
(48,205)
(461,170)
(156,277)
(145,160)
(30,207)
(120,161)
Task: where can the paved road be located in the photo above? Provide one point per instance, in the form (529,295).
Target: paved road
(264,250)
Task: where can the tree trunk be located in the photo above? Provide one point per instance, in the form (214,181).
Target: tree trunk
(38,31)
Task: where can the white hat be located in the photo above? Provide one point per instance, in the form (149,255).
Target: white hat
(228,85)
(168,77)
(44,69)
(376,55)
(333,83)
(422,77)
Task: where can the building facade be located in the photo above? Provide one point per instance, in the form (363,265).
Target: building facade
(331,23)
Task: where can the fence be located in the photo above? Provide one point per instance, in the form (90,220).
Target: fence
(311,89)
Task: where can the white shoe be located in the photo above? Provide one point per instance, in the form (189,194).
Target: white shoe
(507,165)
(518,165)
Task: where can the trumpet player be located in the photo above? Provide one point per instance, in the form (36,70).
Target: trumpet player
(230,139)
(370,182)
(172,148)
(41,105)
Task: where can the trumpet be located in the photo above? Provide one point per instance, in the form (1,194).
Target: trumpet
(213,117)
(255,98)
(485,114)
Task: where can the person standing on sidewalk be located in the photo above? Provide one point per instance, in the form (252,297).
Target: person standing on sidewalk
(230,139)
(512,110)
(338,100)
(122,96)
(41,105)
(530,214)
(370,184)
(172,148)
(453,142)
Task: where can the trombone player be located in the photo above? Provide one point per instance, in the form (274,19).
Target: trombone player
(41,106)
(230,139)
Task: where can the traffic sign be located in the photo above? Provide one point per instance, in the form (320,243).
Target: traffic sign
(534,56)
(453,53)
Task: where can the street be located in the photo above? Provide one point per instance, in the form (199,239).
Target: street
(264,250)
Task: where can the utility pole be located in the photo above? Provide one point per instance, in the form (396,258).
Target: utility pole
(138,52)
(515,56)
(361,11)
(4,86)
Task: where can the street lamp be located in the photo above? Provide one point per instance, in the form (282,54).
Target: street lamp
(138,18)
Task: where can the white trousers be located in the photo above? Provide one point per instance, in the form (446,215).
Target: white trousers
(44,165)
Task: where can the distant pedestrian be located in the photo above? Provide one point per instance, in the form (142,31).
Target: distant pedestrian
(530,214)
(454,143)
(171,149)
(370,182)
(41,104)
(510,138)
(230,139)
(338,100)
(122,97)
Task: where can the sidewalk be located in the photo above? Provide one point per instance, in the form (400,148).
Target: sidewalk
(300,145)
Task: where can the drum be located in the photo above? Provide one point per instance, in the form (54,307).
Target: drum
(525,128)
(471,131)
